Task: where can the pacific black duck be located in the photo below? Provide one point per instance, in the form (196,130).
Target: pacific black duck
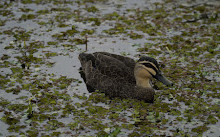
(119,76)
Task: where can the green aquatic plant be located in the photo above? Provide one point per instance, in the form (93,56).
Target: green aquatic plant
(27,17)
(92,9)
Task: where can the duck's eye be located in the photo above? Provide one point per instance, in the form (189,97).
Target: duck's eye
(149,65)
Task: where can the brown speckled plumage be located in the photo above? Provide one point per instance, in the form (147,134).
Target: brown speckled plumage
(113,75)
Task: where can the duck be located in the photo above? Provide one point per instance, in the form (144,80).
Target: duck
(121,76)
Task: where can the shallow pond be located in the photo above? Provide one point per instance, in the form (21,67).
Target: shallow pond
(42,93)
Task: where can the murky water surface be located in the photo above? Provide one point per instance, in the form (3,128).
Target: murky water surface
(42,93)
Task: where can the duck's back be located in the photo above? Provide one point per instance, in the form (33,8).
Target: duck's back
(130,63)
(111,65)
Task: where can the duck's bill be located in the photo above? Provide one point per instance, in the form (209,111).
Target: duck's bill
(163,79)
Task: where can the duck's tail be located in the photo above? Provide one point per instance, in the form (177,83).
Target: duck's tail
(85,57)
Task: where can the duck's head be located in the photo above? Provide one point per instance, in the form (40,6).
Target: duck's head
(147,68)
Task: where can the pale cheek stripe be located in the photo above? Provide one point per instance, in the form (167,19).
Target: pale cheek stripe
(151,71)
(153,65)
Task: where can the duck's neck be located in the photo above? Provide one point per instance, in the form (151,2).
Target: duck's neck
(145,83)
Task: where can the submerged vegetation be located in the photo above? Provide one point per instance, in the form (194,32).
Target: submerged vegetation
(39,96)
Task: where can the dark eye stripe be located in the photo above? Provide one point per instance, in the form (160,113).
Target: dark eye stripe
(150,66)
(152,60)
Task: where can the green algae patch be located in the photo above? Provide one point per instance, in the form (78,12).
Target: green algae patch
(17,107)
(27,17)
(50,54)
(92,9)
(9,119)
(135,36)
(200,129)
(3,102)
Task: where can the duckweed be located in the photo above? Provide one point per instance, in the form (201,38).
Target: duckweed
(92,9)
(27,17)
